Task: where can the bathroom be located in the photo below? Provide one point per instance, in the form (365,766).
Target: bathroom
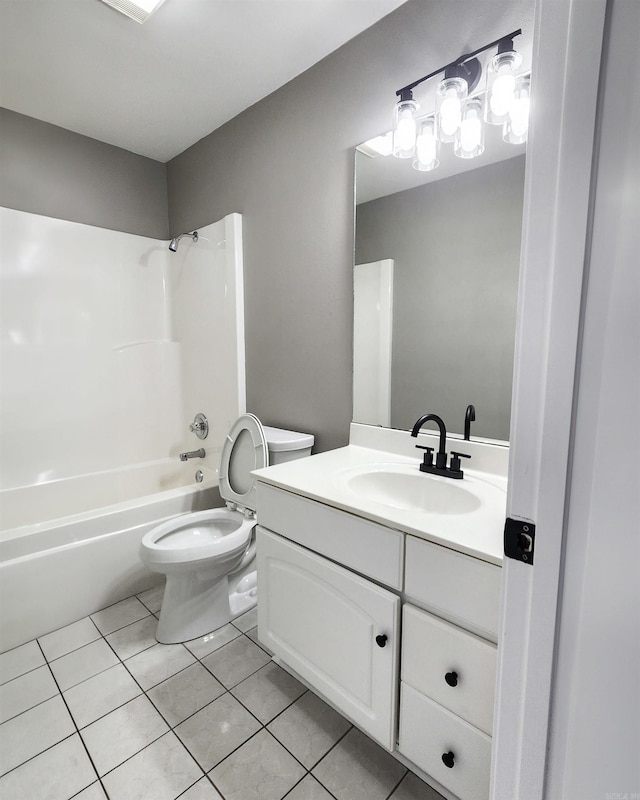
(293,185)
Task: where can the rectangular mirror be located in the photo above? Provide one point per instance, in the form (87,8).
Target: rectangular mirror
(435,288)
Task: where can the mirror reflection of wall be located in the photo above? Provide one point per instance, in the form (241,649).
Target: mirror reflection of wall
(455,244)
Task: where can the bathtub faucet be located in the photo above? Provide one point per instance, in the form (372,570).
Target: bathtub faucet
(193,454)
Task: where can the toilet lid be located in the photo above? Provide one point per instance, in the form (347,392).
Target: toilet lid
(244,450)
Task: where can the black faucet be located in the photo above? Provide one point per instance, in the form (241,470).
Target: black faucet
(469,417)
(440,467)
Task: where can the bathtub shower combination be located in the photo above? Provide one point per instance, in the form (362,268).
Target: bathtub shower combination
(103,368)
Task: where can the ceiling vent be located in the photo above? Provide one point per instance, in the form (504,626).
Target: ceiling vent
(140,10)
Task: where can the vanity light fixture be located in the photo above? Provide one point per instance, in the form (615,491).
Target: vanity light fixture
(139,10)
(459,114)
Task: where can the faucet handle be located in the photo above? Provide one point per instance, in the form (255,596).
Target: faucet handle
(455,460)
(427,459)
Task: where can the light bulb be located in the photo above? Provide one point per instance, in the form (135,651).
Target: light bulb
(406,132)
(516,128)
(426,146)
(450,115)
(501,96)
(450,94)
(470,137)
(501,83)
(404,126)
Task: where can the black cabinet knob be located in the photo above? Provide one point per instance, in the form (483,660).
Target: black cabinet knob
(381,640)
(448,759)
(451,678)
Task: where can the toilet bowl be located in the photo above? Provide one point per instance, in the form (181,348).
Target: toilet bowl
(209,556)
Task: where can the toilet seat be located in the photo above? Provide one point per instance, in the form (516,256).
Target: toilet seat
(198,536)
(244,450)
(218,533)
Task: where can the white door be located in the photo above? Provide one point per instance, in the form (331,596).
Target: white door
(336,630)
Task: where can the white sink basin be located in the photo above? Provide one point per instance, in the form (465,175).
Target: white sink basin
(405,487)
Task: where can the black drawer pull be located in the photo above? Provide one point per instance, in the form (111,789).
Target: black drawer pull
(381,640)
(451,678)
(448,759)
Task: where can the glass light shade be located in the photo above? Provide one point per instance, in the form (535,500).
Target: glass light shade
(501,83)
(450,95)
(426,157)
(404,128)
(516,128)
(469,141)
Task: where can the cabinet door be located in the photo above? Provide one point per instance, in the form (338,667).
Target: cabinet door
(329,625)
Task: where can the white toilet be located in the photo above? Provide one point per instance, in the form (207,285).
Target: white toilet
(209,556)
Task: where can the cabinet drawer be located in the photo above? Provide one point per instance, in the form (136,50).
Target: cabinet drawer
(455,586)
(433,649)
(336,630)
(361,545)
(428,731)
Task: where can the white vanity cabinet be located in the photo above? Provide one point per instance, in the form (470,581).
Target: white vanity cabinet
(397,632)
(336,630)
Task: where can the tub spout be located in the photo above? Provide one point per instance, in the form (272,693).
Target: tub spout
(193,454)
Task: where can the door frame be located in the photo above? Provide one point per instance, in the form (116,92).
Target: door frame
(566,68)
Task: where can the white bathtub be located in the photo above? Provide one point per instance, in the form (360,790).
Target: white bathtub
(56,567)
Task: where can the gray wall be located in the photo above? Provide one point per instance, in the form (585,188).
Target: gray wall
(456,247)
(51,171)
(287,164)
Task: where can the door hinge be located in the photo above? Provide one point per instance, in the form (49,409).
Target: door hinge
(519,539)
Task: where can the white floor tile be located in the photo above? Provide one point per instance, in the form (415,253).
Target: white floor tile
(93,792)
(158,663)
(122,733)
(34,731)
(161,771)
(57,774)
(152,598)
(203,790)
(83,663)
(259,770)
(412,788)
(134,638)
(212,641)
(21,659)
(64,640)
(97,696)
(27,691)
(235,661)
(247,620)
(217,730)
(359,769)
(268,692)
(185,693)
(118,615)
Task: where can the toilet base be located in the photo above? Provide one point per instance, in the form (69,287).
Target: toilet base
(192,607)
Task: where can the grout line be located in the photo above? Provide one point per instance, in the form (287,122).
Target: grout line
(391,793)
(64,700)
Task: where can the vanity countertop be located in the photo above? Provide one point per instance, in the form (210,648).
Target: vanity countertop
(328,478)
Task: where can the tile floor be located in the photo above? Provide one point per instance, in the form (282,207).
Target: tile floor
(100,710)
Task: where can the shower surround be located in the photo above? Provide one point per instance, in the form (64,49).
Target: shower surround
(110,344)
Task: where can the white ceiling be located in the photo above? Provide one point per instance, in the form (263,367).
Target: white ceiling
(157,88)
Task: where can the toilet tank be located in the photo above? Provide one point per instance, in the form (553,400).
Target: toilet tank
(286,445)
